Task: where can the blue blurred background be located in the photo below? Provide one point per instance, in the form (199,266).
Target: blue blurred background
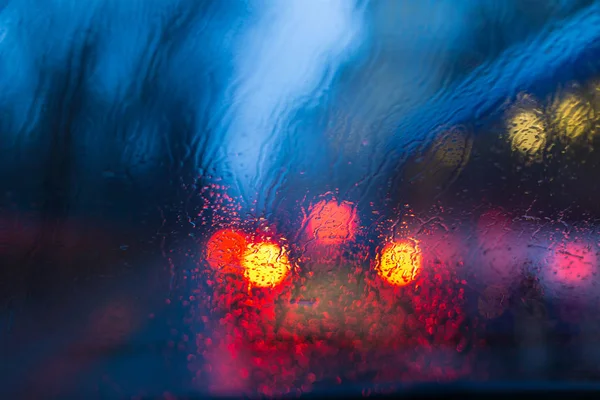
(126,127)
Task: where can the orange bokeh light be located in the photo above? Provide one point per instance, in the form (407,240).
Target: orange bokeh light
(225,249)
(400,262)
(265,264)
(330,222)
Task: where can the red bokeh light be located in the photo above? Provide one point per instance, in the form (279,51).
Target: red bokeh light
(574,264)
(331,223)
(335,323)
(571,268)
(225,249)
(328,328)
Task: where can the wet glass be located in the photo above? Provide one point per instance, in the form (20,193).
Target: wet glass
(278,198)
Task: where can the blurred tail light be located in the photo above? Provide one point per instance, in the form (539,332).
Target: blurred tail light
(264,263)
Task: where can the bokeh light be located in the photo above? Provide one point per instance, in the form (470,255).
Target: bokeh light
(452,148)
(400,262)
(527,133)
(440,164)
(571,268)
(225,248)
(330,222)
(573,117)
(265,264)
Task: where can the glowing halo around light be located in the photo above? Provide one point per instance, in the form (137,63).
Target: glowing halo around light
(265,264)
(400,262)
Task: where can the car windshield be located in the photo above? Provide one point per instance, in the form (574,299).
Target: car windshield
(288,197)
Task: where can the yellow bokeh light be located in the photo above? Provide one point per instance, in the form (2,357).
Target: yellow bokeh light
(452,148)
(573,117)
(400,262)
(527,134)
(265,264)
(434,170)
